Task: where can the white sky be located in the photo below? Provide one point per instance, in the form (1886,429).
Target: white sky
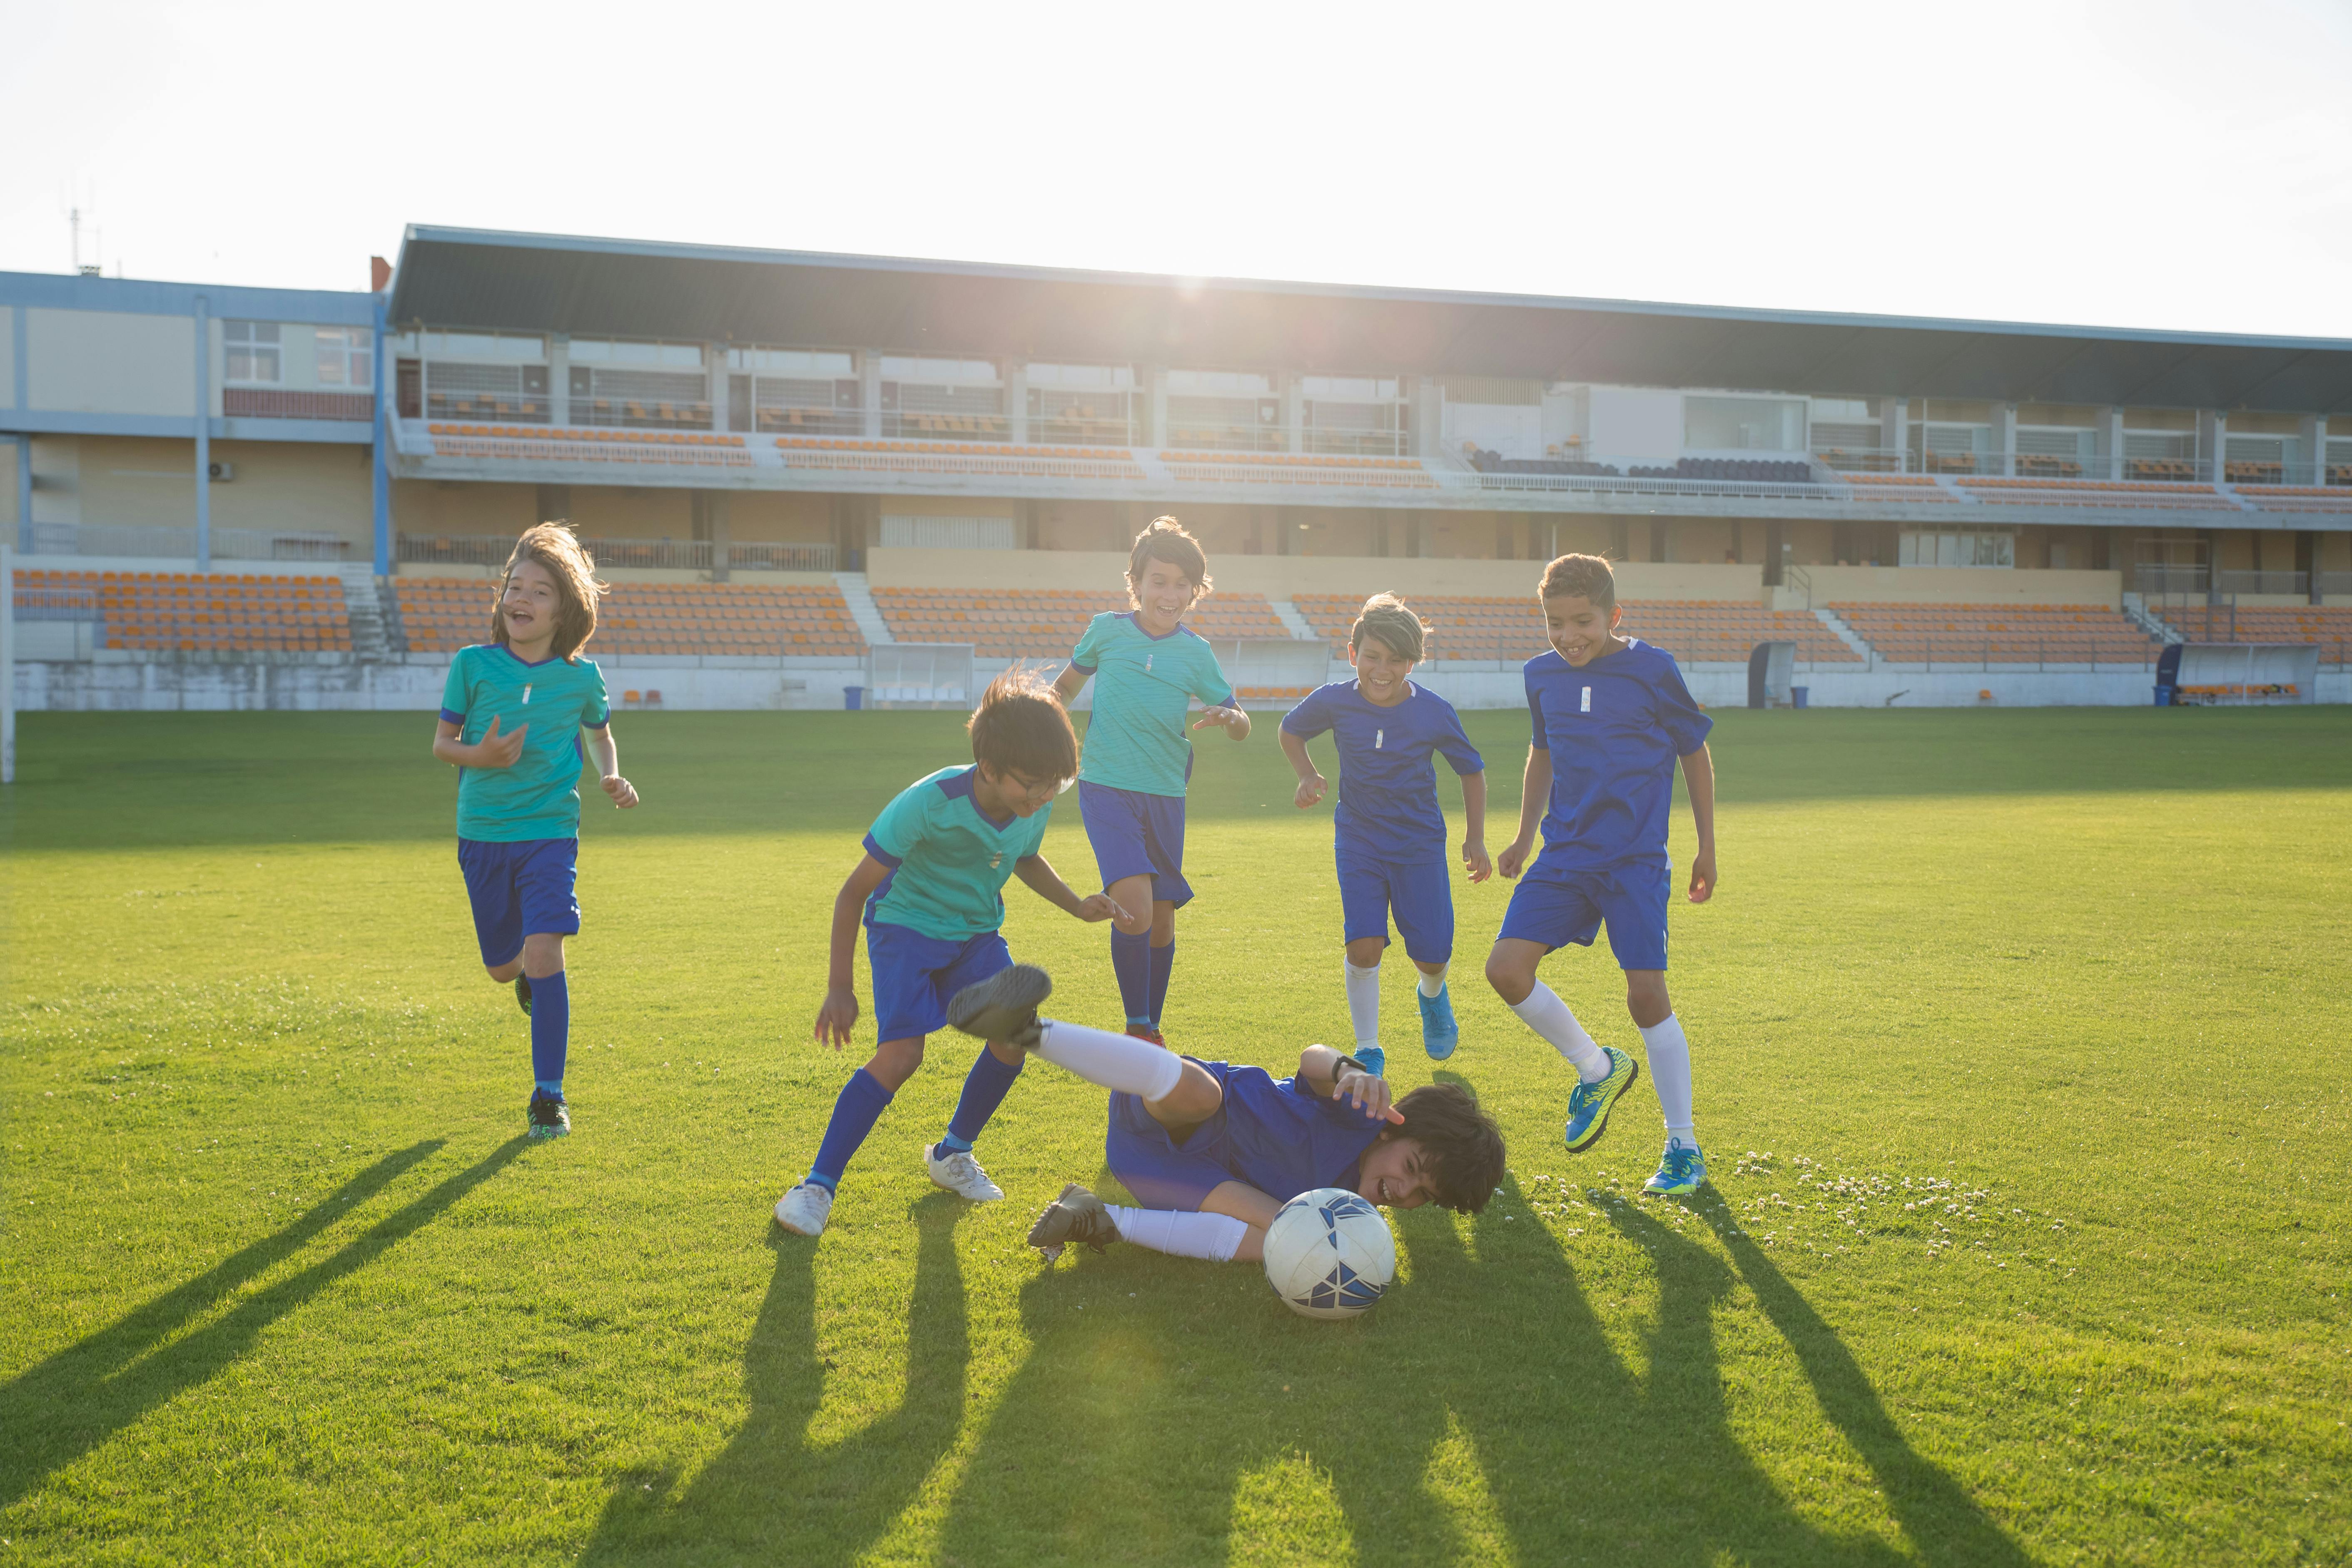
(2151,165)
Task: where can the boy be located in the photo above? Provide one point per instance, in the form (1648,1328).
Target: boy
(930,889)
(1138,761)
(1610,717)
(519,790)
(1389,833)
(1214,1151)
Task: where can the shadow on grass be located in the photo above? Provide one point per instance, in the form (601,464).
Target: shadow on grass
(1130,1433)
(55,1411)
(771,1497)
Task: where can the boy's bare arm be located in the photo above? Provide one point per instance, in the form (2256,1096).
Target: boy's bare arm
(1473,826)
(1535,794)
(1239,1200)
(607,757)
(493,751)
(1311,782)
(1070,682)
(1698,777)
(839,1013)
(1328,1077)
(1041,880)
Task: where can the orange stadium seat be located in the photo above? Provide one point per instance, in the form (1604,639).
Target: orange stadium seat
(1046,623)
(442,614)
(1999,634)
(212,613)
(1696,631)
(2328,625)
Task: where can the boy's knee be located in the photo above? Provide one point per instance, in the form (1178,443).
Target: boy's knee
(1645,995)
(1511,979)
(1365,952)
(542,954)
(504,974)
(896,1061)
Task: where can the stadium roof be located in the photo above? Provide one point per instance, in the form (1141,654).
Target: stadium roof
(618,288)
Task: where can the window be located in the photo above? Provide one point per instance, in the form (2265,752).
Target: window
(1223,410)
(346,357)
(1957,549)
(1744,423)
(807,364)
(950,398)
(510,347)
(1357,415)
(620,351)
(1081,405)
(253,350)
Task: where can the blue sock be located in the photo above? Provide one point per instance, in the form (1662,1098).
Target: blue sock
(983,1092)
(1130,960)
(550,1030)
(1163,960)
(863,1101)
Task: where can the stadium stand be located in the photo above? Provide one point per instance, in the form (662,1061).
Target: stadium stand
(1694,631)
(2329,625)
(1297,467)
(1909,489)
(534,444)
(1999,634)
(184,612)
(2093,493)
(441,615)
(1045,623)
(1487,462)
(1736,470)
(958,457)
(2299,498)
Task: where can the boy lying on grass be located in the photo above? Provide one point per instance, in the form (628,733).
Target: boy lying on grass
(1214,1151)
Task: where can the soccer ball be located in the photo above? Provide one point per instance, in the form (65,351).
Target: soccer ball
(1328,1254)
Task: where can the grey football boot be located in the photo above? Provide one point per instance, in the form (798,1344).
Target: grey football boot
(1077,1215)
(1004,1006)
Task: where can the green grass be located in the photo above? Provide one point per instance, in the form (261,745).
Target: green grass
(277,1282)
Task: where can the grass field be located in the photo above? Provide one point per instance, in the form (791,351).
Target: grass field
(2021,1064)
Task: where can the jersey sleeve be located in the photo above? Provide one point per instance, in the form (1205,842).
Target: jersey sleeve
(1539,740)
(1088,654)
(1679,713)
(596,709)
(1209,682)
(1311,718)
(900,827)
(458,692)
(1453,744)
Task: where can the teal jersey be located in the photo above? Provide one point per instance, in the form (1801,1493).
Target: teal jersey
(949,859)
(1137,739)
(539,798)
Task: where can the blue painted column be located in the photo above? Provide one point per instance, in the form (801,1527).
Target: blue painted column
(384,414)
(25,495)
(203,436)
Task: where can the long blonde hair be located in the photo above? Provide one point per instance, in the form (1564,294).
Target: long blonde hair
(559,550)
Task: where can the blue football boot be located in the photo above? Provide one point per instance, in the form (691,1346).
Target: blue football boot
(1375,1060)
(1439,1033)
(1682,1171)
(1588,1108)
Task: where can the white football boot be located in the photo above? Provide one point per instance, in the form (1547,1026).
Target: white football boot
(959,1174)
(804,1209)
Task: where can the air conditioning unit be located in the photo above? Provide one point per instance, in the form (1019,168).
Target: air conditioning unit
(221,473)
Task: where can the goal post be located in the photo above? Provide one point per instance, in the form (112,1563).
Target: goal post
(7,665)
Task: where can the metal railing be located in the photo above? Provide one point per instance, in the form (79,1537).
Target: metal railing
(2262,582)
(166,542)
(754,556)
(56,604)
(2157,581)
(685,554)
(1933,653)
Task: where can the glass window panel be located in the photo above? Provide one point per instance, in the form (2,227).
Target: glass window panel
(1220,382)
(1084,377)
(1744,423)
(900,367)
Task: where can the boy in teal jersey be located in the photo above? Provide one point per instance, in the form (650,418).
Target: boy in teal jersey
(1148,666)
(512,718)
(929,891)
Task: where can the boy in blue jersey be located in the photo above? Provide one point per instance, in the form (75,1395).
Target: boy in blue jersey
(1214,1151)
(1612,717)
(930,892)
(1148,666)
(1389,833)
(518,789)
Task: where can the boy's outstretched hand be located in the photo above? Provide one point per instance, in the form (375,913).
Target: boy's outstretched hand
(1514,857)
(624,793)
(1225,717)
(1310,790)
(1097,907)
(837,1018)
(1474,856)
(497,750)
(1367,1092)
(1702,882)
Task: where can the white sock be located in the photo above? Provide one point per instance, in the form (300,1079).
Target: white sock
(1547,1015)
(1114,1061)
(1214,1236)
(1364,1002)
(1434,984)
(1670,1074)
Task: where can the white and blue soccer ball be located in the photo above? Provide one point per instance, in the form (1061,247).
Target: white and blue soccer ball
(1328,1254)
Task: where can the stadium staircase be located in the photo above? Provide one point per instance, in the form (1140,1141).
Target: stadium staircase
(1846,634)
(862,608)
(1293,622)
(2135,609)
(363,601)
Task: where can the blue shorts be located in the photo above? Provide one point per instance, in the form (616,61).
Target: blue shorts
(1149,1162)
(1419,896)
(1556,908)
(915,974)
(1137,835)
(518,889)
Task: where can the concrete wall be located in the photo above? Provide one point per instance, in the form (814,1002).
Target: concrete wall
(1960,585)
(440,508)
(1279,576)
(107,361)
(292,487)
(412,685)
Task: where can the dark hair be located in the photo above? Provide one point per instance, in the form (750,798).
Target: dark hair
(1463,1146)
(1165,540)
(1385,617)
(1021,727)
(1579,576)
(559,550)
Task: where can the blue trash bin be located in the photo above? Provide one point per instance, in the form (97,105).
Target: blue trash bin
(2164,697)
(1797,695)
(852,698)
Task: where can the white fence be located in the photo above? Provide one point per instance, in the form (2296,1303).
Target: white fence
(924,674)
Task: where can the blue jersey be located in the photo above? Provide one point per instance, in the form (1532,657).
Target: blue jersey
(1137,738)
(1281,1137)
(1614,730)
(1388,791)
(949,860)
